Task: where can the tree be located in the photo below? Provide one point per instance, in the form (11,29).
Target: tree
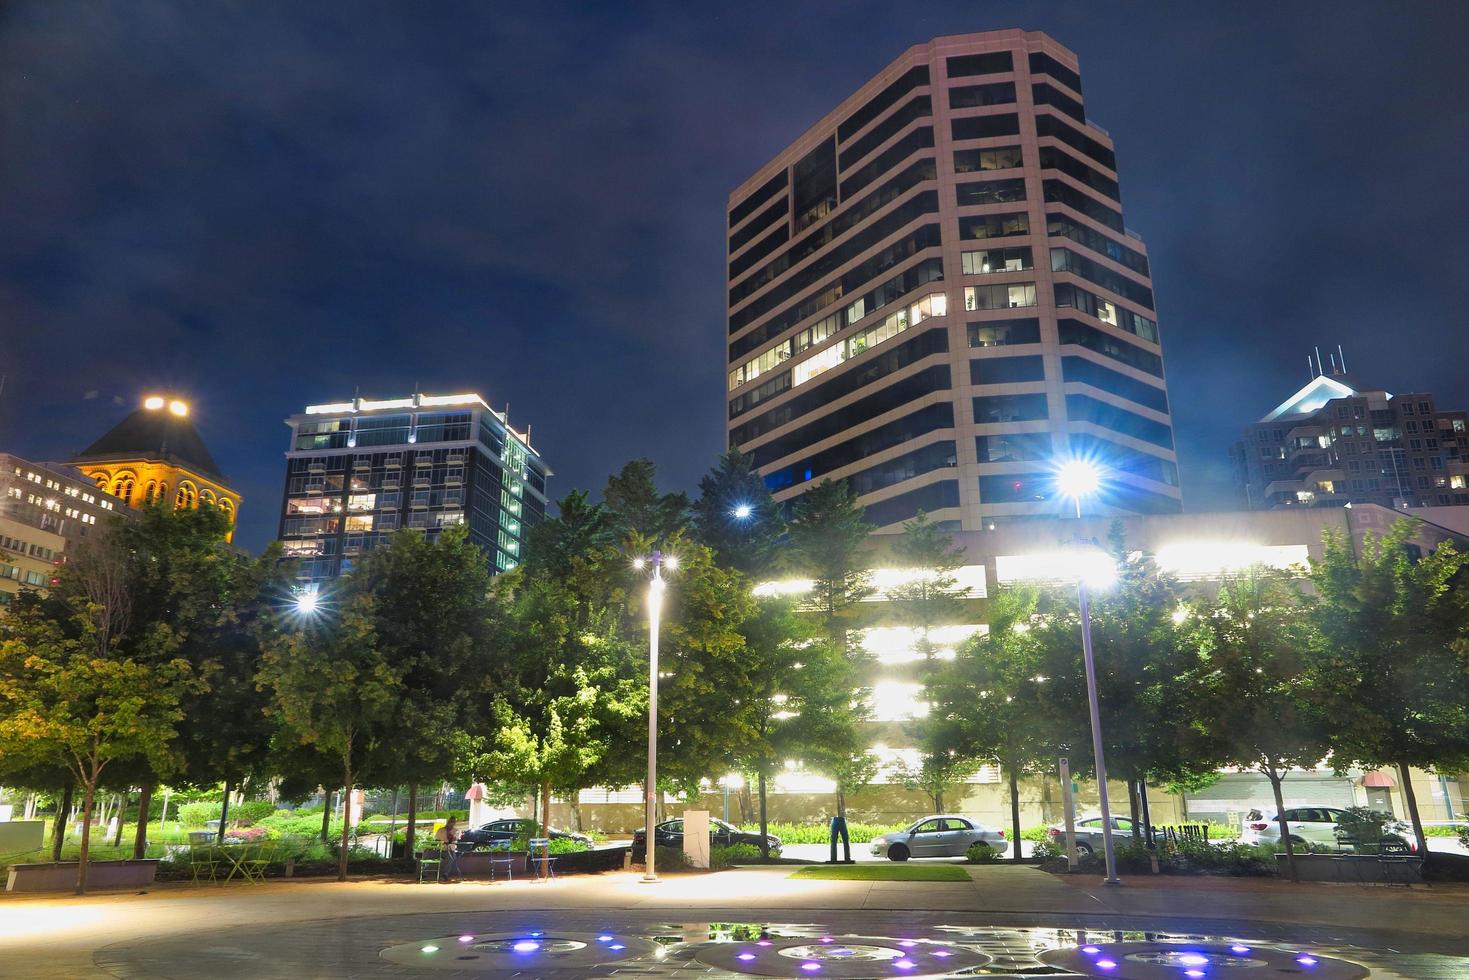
(637,508)
(69,699)
(990,702)
(828,538)
(332,688)
(1252,700)
(1392,627)
(930,596)
(736,516)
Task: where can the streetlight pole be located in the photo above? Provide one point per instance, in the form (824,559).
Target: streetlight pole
(1077,479)
(655,611)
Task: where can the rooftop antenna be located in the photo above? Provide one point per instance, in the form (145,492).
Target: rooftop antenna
(1334,370)
(1342,357)
(1318,360)
(1310,369)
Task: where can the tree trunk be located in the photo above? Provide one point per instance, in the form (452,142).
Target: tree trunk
(412,835)
(1014,811)
(1132,805)
(938,800)
(326,815)
(224,810)
(1290,849)
(1142,793)
(575,803)
(764,823)
(122,813)
(140,839)
(546,829)
(747,803)
(58,830)
(346,823)
(1411,799)
(89,794)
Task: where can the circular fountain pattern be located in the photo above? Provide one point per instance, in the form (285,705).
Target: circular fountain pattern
(520,952)
(1191,961)
(838,956)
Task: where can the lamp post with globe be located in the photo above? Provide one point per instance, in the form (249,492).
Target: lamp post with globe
(657,561)
(1079,479)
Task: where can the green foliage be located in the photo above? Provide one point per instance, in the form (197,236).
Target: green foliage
(828,537)
(820,833)
(245,813)
(1185,857)
(197,814)
(1363,828)
(981,853)
(750,544)
(721,858)
(1464,836)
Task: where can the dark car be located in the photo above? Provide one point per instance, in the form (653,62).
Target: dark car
(500,832)
(670,834)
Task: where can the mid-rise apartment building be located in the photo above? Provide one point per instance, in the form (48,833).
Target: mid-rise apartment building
(932,294)
(1338,441)
(357,471)
(54,497)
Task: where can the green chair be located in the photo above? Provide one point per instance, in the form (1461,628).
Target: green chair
(254,863)
(426,863)
(203,864)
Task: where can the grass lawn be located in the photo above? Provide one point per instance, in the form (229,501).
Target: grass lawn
(883,872)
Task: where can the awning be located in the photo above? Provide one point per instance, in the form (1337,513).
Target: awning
(477,792)
(1377,779)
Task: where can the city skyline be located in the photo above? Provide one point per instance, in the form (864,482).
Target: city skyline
(253,268)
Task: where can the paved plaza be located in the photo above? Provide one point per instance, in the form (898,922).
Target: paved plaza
(1000,920)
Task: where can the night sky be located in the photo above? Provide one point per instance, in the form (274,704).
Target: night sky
(264,205)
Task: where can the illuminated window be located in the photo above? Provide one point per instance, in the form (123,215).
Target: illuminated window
(187,496)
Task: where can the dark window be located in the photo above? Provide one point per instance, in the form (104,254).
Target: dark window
(918,108)
(1009,408)
(993,63)
(904,282)
(1089,372)
(884,437)
(1088,336)
(1044,64)
(1057,192)
(882,101)
(1054,158)
(1049,125)
(1084,408)
(1044,94)
(1006,370)
(757,227)
(896,395)
(919,139)
(747,207)
(978,226)
(1016,488)
(972,96)
(984,127)
(820,237)
(1014,447)
(443,427)
(993,158)
(1065,260)
(1004,333)
(1003,191)
(814,184)
(909,352)
(905,506)
(742,403)
(1061,226)
(926,236)
(757,252)
(1106,311)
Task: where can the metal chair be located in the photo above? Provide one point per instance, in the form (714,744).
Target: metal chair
(501,857)
(541,856)
(203,864)
(425,863)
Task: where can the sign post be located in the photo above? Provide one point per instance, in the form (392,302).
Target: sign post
(1070,806)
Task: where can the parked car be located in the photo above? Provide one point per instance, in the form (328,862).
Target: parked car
(1313,825)
(669,833)
(1089,834)
(941,835)
(498,832)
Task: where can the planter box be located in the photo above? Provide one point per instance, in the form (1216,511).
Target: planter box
(1354,868)
(56,876)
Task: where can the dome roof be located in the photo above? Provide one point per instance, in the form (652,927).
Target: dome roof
(154,433)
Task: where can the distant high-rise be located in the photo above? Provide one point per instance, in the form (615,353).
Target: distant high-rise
(357,471)
(933,295)
(1339,441)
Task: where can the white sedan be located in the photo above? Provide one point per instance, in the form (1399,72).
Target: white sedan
(942,835)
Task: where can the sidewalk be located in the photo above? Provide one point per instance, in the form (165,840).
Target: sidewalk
(58,937)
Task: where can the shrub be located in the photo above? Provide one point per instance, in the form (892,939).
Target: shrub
(981,853)
(198,814)
(563,845)
(820,833)
(727,857)
(245,835)
(247,813)
(1364,828)
(1464,836)
(251,812)
(1036,834)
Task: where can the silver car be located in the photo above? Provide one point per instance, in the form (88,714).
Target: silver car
(941,835)
(1089,837)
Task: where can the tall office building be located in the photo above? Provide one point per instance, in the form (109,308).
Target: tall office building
(933,295)
(357,471)
(1338,441)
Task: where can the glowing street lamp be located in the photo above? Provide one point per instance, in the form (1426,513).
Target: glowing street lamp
(1077,479)
(742,512)
(307,603)
(658,561)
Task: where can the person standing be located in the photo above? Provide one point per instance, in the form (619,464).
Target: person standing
(448,835)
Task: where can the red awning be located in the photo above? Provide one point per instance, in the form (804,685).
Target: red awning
(1377,779)
(477,792)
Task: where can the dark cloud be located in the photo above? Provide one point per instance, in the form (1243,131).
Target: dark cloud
(262,205)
